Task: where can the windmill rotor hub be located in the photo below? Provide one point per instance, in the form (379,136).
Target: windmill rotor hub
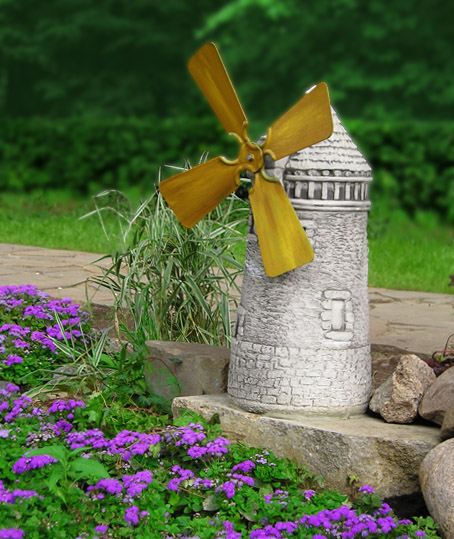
(251,156)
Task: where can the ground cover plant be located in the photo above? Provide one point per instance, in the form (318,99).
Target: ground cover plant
(102,468)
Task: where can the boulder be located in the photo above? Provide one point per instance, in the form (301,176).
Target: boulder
(447,427)
(436,477)
(181,368)
(438,398)
(397,399)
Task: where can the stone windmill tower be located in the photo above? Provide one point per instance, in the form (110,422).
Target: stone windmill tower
(301,341)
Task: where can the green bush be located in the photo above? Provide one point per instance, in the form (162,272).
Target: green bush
(87,155)
(412,162)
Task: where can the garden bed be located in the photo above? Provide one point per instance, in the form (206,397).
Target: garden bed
(100,466)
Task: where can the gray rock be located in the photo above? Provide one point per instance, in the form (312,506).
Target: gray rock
(447,427)
(438,398)
(180,368)
(436,477)
(386,456)
(397,399)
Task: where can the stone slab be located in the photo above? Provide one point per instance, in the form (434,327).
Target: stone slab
(414,321)
(386,456)
(58,272)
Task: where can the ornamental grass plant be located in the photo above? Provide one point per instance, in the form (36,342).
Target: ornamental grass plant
(102,468)
(169,282)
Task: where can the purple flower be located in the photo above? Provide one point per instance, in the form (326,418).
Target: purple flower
(4,406)
(11,533)
(112,486)
(218,447)
(132,514)
(288,527)
(101,528)
(19,343)
(244,467)
(229,488)
(11,388)
(230,532)
(243,479)
(173,484)
(367,488)
(12,359)
(24,464)
(196,451)
(202,483)
(308,494)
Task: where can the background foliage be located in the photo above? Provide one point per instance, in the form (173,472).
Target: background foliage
(97,95)
(412,161)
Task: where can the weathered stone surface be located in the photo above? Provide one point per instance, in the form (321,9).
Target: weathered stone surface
(447,427)
(436,477)
(397,399)
(387,456)
(199,368)
(438,398)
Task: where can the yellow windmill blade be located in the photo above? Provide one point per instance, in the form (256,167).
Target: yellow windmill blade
(282,240)
(309,121)
(192,194)
(209,72)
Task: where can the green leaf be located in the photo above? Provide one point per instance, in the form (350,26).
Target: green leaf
(210,503)
(89,467)
(54,478)
(56,451)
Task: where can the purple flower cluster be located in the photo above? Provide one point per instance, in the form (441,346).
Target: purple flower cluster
(133,514)
(17,409)
(11,496)
(280,496)
(65,406)
(11,533)
(25,464)
(193,436)
(245,466)
(27,304)
(236,481)
(183,475)
(342,522)
(133,485)
(126,443)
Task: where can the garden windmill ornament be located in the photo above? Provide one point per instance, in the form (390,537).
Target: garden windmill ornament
(192,194)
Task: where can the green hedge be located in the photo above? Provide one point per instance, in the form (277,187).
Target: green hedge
(413,163)
(87,155)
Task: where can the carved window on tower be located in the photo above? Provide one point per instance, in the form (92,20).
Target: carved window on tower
(337,315)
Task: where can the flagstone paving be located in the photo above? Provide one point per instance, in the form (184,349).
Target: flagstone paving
(413,321)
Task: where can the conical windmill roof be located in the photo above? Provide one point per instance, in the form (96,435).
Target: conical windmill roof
(336,156)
